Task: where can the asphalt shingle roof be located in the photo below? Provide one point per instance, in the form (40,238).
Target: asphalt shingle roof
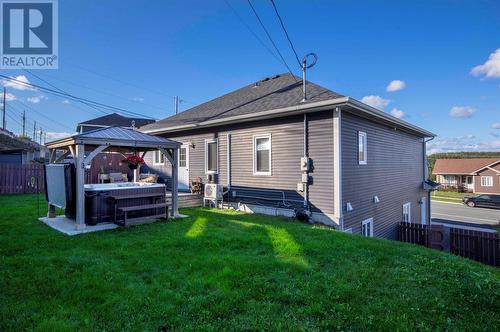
(116,119)
(272,93)
(461,166)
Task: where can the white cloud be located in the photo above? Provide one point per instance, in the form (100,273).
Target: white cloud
(396,85)
(52,135)
(21,83)
(65,101)
(495,125)
(137,99)
(376,101)
(397,113)
(462,111)
(466,143)
(36,99)
(491,68)
(9,97)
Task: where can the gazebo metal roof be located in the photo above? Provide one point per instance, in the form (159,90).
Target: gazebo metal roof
(116,136)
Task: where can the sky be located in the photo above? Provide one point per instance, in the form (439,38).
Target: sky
(435,64)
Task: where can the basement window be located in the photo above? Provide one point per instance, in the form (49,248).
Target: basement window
(407,212)
(362,151)
(211,156)
(262,155)
(367,227)
(486,181)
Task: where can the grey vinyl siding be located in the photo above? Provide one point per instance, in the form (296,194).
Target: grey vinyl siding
(287,149)
(394,173)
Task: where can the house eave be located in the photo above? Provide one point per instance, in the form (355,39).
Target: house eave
(296,109)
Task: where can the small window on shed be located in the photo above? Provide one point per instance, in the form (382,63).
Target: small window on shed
(362,149)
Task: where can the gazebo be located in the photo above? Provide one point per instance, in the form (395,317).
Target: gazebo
(84,147)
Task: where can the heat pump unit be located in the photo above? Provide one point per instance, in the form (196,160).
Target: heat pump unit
(213,191)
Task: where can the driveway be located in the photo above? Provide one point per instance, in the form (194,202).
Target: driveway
(461,215)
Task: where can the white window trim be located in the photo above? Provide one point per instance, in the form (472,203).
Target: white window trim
(490,182)
(365,151)
(409,211)
(159,154)
(255,172)
(367,221)
(207,141)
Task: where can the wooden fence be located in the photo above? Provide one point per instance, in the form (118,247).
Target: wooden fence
(21,179)
(483,247)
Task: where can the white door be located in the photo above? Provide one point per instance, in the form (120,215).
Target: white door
(423,211)
(183,167)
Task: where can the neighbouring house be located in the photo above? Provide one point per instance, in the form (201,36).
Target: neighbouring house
(478,175)
(110,120)
(15,150)
(352,166)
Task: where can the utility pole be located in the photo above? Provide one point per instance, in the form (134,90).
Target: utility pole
(44,138)
(3,121)
(176,103)
(34,131)
(40,138)
(24,123)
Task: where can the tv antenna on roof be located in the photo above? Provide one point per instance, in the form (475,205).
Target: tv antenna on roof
(306,66)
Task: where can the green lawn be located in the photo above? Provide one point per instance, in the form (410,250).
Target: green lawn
(230,271)
(448,196)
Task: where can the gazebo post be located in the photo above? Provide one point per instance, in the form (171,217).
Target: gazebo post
(51,212)
(80,181)
(175,192)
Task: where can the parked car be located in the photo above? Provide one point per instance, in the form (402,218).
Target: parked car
(485,200)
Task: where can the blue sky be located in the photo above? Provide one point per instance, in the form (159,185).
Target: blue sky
(138,54)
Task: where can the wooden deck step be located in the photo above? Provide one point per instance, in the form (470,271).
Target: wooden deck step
(142,207)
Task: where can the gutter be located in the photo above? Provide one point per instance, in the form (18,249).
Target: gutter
(292,110)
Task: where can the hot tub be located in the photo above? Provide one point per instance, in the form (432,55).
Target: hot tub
(102,201)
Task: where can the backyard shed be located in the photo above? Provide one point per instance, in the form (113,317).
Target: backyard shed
(84,147)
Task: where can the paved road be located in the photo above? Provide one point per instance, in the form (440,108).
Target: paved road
(458,213)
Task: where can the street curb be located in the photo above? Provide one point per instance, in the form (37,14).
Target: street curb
(435,200)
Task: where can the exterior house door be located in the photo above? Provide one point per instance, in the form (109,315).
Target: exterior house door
(470,183)
(183,180)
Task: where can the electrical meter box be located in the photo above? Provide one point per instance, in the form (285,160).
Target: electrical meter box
(305,163)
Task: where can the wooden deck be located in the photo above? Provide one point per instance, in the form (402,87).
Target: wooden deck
(186,200)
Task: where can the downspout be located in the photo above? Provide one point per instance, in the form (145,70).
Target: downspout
(337,167)
(426,175)
(228,156)
(306,172)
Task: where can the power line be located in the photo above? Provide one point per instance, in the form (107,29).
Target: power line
(271,39)
(96,90)
(73,97)
(44,116)
(254,34)
(286,32)
(60,90)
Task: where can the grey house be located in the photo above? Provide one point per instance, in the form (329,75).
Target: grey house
(352,166)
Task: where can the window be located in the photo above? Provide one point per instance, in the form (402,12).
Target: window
(367,227)
(450,179)
(158,158)
(362,151)
(407,212)
(211,156)
(182,157)
(487,181)
(262,155)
